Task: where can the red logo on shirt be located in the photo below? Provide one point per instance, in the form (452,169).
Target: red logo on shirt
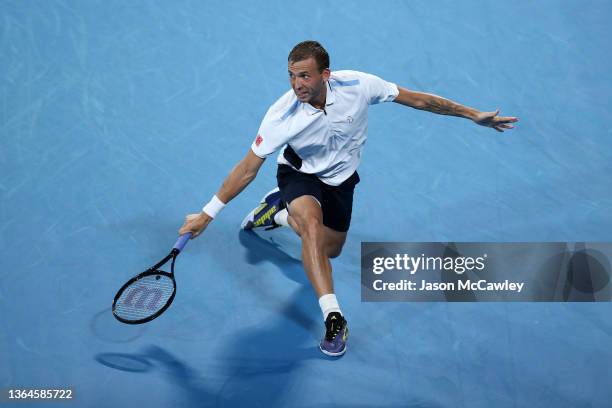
(258,140)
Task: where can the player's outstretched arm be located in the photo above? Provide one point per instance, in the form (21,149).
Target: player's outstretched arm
(240,177)
(443,106)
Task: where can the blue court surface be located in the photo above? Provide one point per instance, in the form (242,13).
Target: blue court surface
(118,118)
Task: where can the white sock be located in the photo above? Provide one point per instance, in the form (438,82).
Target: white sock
(281,217)
(328,304)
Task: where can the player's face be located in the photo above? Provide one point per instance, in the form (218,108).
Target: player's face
(306,80)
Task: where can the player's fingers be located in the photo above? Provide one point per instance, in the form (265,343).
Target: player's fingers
(190,228)
(187,225)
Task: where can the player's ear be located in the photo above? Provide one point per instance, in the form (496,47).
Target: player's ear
(326,73)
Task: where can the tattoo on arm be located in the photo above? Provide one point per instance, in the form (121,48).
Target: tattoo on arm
(434,103)
(443,106)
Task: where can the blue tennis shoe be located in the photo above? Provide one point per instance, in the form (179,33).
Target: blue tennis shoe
(263,215)
(336,334)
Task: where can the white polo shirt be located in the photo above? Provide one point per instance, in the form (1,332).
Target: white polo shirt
(328,142)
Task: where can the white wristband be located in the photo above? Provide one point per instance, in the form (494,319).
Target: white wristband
(213,207)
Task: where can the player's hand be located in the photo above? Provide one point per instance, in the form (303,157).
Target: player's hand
(195,223)
(499,123)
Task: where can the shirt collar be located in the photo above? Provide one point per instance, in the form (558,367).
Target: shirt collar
(330,98)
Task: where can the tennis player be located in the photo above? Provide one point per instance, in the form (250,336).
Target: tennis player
(320,128)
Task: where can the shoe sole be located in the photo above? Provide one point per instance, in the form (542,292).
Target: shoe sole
(247,222)
(327,353)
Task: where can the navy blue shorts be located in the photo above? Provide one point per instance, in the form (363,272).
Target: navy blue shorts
(336,201)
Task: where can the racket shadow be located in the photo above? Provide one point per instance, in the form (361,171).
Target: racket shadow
(184,376)
(156,359)
(251,361)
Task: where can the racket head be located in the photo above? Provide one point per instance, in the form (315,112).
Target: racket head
(144,297)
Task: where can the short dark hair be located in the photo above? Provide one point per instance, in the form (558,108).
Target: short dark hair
(307,49)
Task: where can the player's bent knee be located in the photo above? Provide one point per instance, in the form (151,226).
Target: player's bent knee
(311,229)
(334,242)
(314,228)
(334,252)
(334,248)
(296,228)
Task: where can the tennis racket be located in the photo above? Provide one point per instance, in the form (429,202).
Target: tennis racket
(148,294)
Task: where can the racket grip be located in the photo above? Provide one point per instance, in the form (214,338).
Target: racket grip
(182,241)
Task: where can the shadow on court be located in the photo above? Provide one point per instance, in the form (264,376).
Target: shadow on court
(268,355)
(174,370)
(252,361)
(260,250)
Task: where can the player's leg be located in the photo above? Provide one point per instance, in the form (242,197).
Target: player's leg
(336,204)
(320,215)
(307,220)
(272,212)
(333,240)
(317,239)
(337,208)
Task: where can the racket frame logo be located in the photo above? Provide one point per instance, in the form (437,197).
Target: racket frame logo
(145,291)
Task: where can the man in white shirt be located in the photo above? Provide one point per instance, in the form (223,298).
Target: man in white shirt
(320,127)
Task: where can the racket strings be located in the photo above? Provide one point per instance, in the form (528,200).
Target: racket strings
(144,297)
